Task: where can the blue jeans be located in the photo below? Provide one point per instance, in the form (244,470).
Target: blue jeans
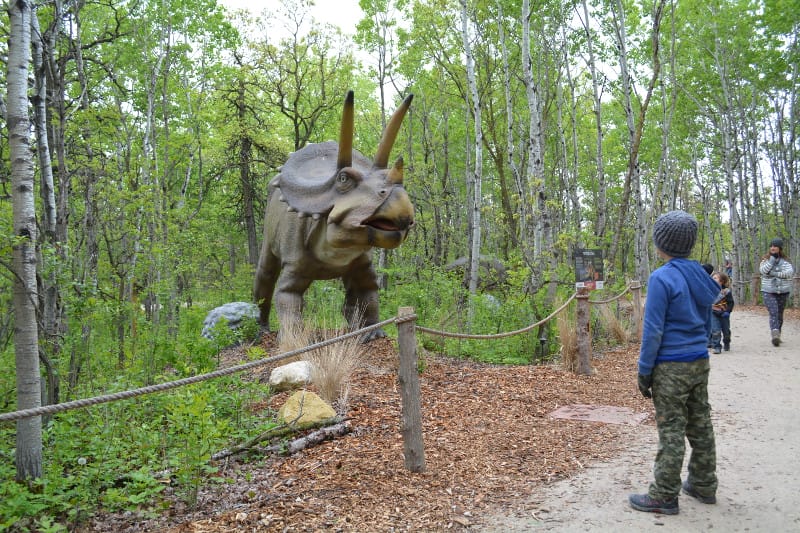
(720,330)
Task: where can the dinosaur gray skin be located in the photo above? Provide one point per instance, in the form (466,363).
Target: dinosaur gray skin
(328,207)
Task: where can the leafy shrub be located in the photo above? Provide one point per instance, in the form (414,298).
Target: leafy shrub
(121,456)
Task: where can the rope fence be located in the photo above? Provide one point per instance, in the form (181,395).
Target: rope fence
(498,335)
(404,316)
(161,387)
(613,298)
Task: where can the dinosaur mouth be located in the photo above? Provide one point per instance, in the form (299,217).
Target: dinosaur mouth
(384,224)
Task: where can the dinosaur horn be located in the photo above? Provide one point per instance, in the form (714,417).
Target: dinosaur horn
(395,175)
(345,158)
(390,133)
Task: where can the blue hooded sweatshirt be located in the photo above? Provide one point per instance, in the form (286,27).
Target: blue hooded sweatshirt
(676,326)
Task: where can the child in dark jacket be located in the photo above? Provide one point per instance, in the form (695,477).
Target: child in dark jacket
(721,314)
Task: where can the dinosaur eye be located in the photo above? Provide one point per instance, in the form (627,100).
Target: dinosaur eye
(345,181)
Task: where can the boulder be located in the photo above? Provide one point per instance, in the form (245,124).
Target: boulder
(291,376)
(233,312)
(492,273)
(305,407)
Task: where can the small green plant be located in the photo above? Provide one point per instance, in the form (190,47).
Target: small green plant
(249,330)
(196,433)
(254,353)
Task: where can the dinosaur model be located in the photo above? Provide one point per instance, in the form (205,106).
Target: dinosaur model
(328,207)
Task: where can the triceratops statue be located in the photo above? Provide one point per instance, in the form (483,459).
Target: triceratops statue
(328,207)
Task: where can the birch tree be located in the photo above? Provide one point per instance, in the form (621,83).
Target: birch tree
(632,186)
(473,174)
(537,217)
(376,33)
(26,346)
(600,222)
(50,295)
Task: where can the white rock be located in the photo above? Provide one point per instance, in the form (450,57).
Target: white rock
(290,376)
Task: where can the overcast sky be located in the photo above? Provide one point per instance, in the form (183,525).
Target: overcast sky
(342,13)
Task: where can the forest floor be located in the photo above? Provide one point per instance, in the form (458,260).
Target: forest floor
(499,459)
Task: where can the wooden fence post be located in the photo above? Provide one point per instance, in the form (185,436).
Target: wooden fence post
(411,417)
(582,315)
(796,289)
(755,288)
(636,315)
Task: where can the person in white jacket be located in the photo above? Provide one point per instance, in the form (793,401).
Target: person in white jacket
(776,284)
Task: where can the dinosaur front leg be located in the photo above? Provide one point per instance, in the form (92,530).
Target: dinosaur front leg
(361,300)
(266,275)
(289,300)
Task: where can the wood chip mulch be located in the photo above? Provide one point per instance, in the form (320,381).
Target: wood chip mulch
(489,443)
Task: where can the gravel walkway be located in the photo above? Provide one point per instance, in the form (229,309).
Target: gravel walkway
(755,394)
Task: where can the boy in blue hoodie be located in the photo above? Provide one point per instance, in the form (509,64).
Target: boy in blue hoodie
(674,367)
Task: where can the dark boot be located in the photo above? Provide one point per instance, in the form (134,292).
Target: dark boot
(776,337)
(689,489)
(643,502)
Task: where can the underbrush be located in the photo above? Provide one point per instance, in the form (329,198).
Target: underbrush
(132,455)
(127,455)
(139,455)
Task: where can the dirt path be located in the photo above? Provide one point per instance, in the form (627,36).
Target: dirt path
(755,394)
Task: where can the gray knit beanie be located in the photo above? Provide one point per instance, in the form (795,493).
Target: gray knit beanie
(674,233)
(777,242)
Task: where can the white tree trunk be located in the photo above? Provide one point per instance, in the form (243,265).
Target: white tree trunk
(600,224)
(475,203)
(26,345)
(517,227)
(535,172)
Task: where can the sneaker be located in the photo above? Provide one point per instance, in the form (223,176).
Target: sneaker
(776,337)
(643,502)
(717,350)
(688,489)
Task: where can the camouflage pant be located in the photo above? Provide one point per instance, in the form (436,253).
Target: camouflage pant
(680,396)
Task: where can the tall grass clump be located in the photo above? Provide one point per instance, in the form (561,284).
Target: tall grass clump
(332,367)
(294,336)
(613,325)
(569,342)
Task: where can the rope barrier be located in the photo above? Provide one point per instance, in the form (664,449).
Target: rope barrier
(161,387)
(124,395)
(613,298)
(497,335)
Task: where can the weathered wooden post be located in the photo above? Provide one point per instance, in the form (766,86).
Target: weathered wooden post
(636,314)
(755,288)
(582,314)
(411,417)
(796,289)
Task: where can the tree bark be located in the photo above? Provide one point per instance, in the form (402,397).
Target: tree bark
(600,222)
(539,218)
(632,184)
(26,346)
(50,295)
(474,175)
